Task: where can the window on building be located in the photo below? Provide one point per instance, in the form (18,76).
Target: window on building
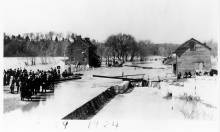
(192,46)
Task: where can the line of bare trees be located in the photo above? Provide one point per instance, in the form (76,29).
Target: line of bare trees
(122,47)
(35,44)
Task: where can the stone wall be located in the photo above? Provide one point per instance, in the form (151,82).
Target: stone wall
(89,109)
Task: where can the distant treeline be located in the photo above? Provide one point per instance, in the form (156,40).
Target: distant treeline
(214,47)
(123,47)
(31,45)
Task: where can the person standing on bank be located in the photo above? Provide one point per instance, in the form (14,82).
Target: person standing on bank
(12,81)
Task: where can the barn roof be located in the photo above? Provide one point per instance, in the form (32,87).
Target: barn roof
(182,48)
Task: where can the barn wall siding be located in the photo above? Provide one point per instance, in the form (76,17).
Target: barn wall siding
(189,60)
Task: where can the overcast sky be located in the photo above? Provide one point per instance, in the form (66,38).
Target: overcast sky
(157,20)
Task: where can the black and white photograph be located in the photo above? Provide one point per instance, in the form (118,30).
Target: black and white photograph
(110,65)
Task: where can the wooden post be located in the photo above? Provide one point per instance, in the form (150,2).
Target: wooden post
(176,68)
(195,85)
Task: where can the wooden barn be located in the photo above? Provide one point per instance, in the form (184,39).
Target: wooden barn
(192,56)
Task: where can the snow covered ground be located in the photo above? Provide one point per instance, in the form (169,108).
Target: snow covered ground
(19,62)
(70,95)
(204,87)
(194,98)
(142,104)
(148,103)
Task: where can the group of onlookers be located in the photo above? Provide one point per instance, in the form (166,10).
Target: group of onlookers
(29,83)
(197,73)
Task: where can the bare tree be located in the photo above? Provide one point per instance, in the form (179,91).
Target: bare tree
(51,35)
(31,36)
(214,47)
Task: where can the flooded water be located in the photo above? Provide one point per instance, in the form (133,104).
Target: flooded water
(72,94)
(67,97)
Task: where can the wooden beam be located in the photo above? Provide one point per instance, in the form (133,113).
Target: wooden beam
(143,67)
(117,77)
(131,75)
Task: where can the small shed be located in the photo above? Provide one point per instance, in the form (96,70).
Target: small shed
(192,56)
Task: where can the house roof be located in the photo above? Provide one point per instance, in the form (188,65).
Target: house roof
(182,48)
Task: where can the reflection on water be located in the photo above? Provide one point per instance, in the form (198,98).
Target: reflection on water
(36,99)
(30,106)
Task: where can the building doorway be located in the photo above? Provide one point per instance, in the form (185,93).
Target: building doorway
(174,68)
(199,66)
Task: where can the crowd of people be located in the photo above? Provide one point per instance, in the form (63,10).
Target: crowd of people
(66,74)
(197,73)
(185,75)
(29,83)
